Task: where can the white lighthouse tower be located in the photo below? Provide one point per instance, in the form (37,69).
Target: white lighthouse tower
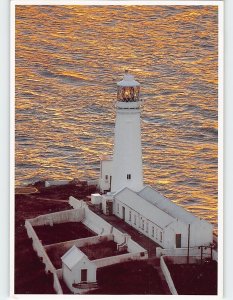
(127,157)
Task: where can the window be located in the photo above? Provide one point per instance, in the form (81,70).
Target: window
(135,219)
(153,231)
(118,208)
(143,223)
(130,215)
(147,226)
(106,177)
(128,176)
(161,236)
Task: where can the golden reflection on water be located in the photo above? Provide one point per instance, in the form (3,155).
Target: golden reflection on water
(68,60)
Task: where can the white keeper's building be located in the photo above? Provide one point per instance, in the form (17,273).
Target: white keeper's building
(121,182)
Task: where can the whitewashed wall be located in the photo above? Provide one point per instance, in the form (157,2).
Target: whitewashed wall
(95,223)
(39,249)
(106,169)
(135,216)
(80,242)
(108,261)
(183,252)
(49,183)
(201,233)
(167,276)
(74,275)
(72,215)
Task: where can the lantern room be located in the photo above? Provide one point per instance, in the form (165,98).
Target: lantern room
(128,89)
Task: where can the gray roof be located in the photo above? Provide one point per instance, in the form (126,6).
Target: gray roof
(146,209)
(72,257)
(166,205)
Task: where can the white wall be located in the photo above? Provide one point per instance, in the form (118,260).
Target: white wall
(56,182)
(201,233)
(74,275)
(127,157)
(39,249)
(73,215)
(105,169)
(184,252)
(139,222)
(167,276)
(80,242)
(96,223)
(112,260)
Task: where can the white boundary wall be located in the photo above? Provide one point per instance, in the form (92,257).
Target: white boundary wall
(72,215)
(81,242)
(39,249)
(167,276)
(96,223)
(112,260)
(49,183)
(184,252)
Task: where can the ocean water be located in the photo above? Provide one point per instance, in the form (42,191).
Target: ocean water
(68,60)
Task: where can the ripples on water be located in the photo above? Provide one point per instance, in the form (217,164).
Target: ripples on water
(68,60)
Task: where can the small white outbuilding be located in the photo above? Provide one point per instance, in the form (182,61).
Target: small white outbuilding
(77,270)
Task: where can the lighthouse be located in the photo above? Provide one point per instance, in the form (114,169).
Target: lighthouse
(127,156)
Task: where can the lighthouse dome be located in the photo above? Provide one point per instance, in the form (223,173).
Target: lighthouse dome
(128,89)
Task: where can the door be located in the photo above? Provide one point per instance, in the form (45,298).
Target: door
(178,240)
(123,213)
(110,183)
(83,274)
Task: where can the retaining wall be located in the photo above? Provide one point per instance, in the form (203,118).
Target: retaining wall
(167,276)
(72,215)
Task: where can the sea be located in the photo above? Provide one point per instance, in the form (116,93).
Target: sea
(68,61)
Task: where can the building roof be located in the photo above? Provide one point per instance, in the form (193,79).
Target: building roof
(72,257)
(166,205)
(146,209)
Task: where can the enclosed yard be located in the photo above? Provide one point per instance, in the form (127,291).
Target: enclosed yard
(62,232)
(135,277)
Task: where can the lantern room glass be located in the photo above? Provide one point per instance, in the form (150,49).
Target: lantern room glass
(128,93)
